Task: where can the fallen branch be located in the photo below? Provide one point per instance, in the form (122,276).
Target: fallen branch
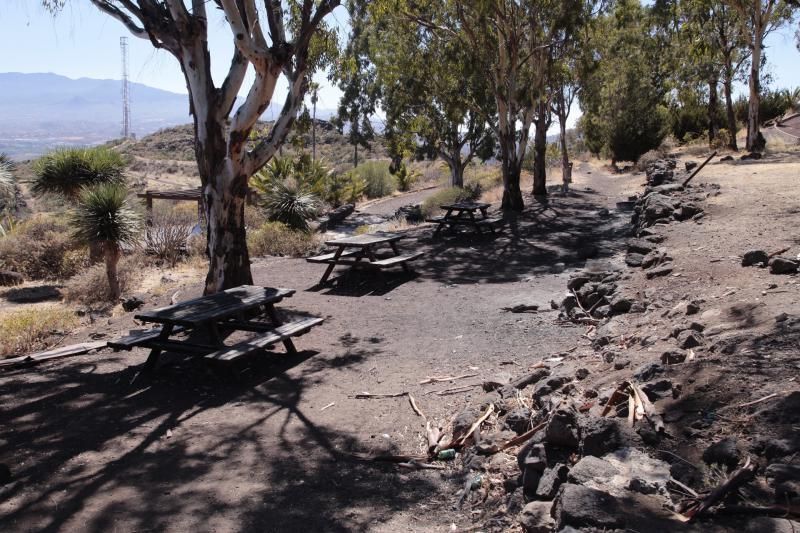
(454,390)
(698,169)
(414,406)
(458,443)
(439,379)
(367,395)
(65,351)
(329,405)
(779,252)
(743,475)
(421,466)
(754,402)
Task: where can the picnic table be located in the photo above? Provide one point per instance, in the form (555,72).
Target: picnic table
(361,251)
(239,309)
(463,213)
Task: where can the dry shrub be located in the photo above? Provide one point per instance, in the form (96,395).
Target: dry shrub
(647,158)
(91,286)
(166,238)
(42,248)
(276,238)
(28,329)
(448,196)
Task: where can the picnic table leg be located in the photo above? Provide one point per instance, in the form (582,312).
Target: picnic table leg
(475,223)
(405,266)
(332,265)
(152,359)
(276,320)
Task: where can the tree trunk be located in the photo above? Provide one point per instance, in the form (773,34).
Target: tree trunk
(755,71)
(731,116)
(355,155)
(229,261)
(566,171)
(95,252)
(512,168)
(455,164)
(540,152)
(713,106)
(112,254)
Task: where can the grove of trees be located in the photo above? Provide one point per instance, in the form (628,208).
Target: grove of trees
(458,81)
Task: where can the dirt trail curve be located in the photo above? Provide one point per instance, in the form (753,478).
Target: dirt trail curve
(191,450)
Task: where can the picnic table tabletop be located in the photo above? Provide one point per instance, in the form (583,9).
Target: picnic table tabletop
(197,311)
(466,206)
(365,240)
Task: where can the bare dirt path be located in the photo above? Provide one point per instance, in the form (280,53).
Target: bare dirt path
(189,450)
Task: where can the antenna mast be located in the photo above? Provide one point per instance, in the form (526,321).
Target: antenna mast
(126,104)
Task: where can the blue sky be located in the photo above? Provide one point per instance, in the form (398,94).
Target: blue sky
(82,42)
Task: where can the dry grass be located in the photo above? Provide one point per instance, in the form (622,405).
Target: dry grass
(90,287)
(275,238)
(42,248)
(29,329)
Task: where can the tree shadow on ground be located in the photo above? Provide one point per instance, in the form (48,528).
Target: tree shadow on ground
(85,446)
(361,282)
(561,230)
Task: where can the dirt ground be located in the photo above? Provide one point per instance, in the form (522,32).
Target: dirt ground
(270,451)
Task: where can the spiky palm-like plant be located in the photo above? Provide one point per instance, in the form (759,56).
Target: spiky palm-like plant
(6,174)
(286,201)
(67,171)
(103,215)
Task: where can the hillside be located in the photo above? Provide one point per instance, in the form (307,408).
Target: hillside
(41,111)
(165,158)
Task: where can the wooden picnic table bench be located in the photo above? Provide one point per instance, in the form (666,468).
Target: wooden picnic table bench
(360,251)
(463,213)
(237,309)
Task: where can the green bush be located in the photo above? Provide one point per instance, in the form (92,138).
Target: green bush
(379,181)
(448,196)
(276,238)
(773,104)
(66,171)
(288,202)
(42,248)
(406,177)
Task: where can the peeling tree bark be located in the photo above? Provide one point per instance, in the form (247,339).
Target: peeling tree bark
(541,124)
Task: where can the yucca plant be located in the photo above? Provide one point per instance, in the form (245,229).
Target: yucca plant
(288,202)
(6,173)
(104,216)
(67,171)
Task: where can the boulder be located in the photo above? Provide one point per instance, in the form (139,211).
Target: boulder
(754,257)
(640,246)
(551,480)
(600,436)
(689,339)
(533,466)
(592,470)
(10,279)
(621,304)
(580,507)
(686,211)
(634,260)
(647,371)
(724,452)
(690,165)
(673,357)
(132,304)
(726,158)
(519,420)
(782,265)
(663,270)
(563,429)
(536,518)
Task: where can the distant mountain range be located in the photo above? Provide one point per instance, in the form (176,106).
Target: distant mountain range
(41,111)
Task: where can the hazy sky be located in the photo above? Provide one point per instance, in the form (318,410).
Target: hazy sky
(82,42)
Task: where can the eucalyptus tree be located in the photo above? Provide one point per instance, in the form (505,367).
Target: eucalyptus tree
(355,76)
(757,18)
(435,99)
(274,39)
(624,83)
(509,41)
